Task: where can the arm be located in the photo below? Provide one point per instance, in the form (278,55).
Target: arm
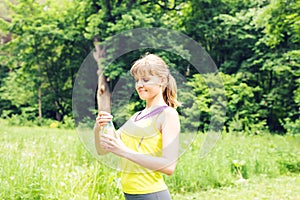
(170,128)
(102,119)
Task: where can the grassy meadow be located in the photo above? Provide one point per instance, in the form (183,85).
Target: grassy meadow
(51,163)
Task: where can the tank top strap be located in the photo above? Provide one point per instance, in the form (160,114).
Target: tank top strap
(156,111)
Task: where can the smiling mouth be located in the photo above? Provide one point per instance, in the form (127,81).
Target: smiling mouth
(141,91)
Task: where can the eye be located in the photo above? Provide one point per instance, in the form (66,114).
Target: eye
(137,80)
(145,80)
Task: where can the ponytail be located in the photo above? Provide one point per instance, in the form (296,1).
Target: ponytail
(170,92)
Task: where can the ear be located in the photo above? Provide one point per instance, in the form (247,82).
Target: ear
(163,81)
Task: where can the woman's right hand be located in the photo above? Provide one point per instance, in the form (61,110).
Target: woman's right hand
(103,118)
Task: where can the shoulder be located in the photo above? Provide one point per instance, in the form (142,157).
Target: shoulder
(169,113)
(168,121)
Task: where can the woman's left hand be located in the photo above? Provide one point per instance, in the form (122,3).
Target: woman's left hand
(113,144)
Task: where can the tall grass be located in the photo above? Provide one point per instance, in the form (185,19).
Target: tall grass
(41,163)
(252,155)
(45,163)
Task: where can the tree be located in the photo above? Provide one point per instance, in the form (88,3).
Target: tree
(276,57)
(43,45)
(113,17)
(242,110)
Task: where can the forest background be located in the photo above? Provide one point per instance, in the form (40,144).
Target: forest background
(255,45)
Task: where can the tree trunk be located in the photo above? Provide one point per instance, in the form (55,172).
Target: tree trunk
(103,92)
(40,96)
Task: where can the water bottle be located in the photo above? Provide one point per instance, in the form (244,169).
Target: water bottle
(109,129)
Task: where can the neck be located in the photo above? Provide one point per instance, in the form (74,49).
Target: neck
(156,101)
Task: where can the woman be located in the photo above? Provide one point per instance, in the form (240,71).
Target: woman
(148,142)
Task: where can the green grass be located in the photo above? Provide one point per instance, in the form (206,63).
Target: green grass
(258,188)
(45,163)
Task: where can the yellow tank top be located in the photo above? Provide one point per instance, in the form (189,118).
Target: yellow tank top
(144,137)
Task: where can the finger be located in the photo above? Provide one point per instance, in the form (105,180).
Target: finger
(104,113)
(105,117)
(102,120)
(101,123)
(105,145)
(107,137)
(108,146)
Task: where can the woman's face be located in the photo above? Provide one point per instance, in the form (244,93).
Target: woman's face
(148,86)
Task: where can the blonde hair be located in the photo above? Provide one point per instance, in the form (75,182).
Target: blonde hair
(151,64)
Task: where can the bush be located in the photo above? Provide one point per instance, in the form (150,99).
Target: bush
(207,99)
(292,127)
(29,120)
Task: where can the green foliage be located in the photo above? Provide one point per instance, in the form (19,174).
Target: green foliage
(275,62)
(237,35)
(279,20)
(257,42)
(291,127)
(18,88)
(132,19)
(43,46)
(242,110)
(254,38)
